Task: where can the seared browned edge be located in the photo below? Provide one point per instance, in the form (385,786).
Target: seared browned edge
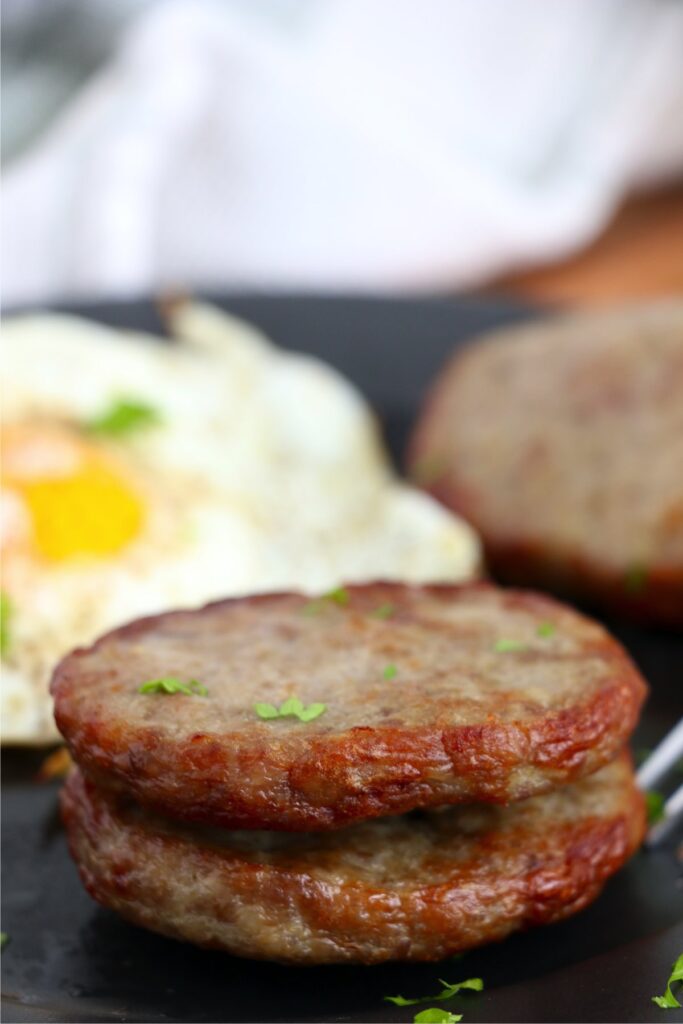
(513,559)
(149,876)
(199,777)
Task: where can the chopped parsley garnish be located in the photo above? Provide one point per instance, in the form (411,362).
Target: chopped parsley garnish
(266,711)
(474,984)
(668,1001)
(4,939)
(654,801)
(635,579)
(390,671)
(5,621)
(503,646)
(290,708)
(545,629)
(169,684)
(383,611)
(436,1016)
(339,596)
(123,416)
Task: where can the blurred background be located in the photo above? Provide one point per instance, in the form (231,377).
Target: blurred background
(528,147)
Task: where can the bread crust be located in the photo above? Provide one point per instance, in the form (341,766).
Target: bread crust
(561,442)
(419,887)
(457,721)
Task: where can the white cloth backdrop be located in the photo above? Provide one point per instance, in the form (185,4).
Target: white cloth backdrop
(362,144)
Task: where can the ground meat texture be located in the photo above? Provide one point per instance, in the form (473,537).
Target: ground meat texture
(461,717)
(418,887)
(562,443)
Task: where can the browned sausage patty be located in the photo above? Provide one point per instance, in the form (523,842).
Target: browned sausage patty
(418,887)
(437,694)
(562,443)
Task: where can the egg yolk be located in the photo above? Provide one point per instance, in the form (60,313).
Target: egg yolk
(77,499)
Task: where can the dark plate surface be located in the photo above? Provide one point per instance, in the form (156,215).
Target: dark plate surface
(69,960)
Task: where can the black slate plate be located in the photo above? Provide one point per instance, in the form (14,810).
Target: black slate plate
(69,960)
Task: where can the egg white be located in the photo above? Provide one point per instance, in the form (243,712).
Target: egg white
(267,472)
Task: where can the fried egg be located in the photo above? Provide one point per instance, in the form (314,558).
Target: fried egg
(138,476)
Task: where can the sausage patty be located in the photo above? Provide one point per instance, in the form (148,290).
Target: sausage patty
(562,443)
(435,694)
(418,887)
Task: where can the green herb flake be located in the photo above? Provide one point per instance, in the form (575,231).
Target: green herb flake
(339,596)
(123,416)
(449,990)
(390,672)
(668,1001)
(545,629)
(434,1015)
(504,646)
(169,684)
(4,939)
(383,611)
(290,708)
(654,802)
(266,711)
(635,579)
(311,712)
(5,623)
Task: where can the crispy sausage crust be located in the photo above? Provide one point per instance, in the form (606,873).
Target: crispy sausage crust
(457,721)
(418,887)
(562,443)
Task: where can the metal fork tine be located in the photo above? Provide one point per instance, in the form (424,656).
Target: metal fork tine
(672,816)
(662,759)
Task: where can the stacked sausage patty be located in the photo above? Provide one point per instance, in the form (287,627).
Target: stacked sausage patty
(384,772)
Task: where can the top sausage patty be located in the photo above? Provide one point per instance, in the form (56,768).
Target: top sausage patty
(562,443)
(432,695)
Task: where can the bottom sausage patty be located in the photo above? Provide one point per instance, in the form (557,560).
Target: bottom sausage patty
(417,887)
